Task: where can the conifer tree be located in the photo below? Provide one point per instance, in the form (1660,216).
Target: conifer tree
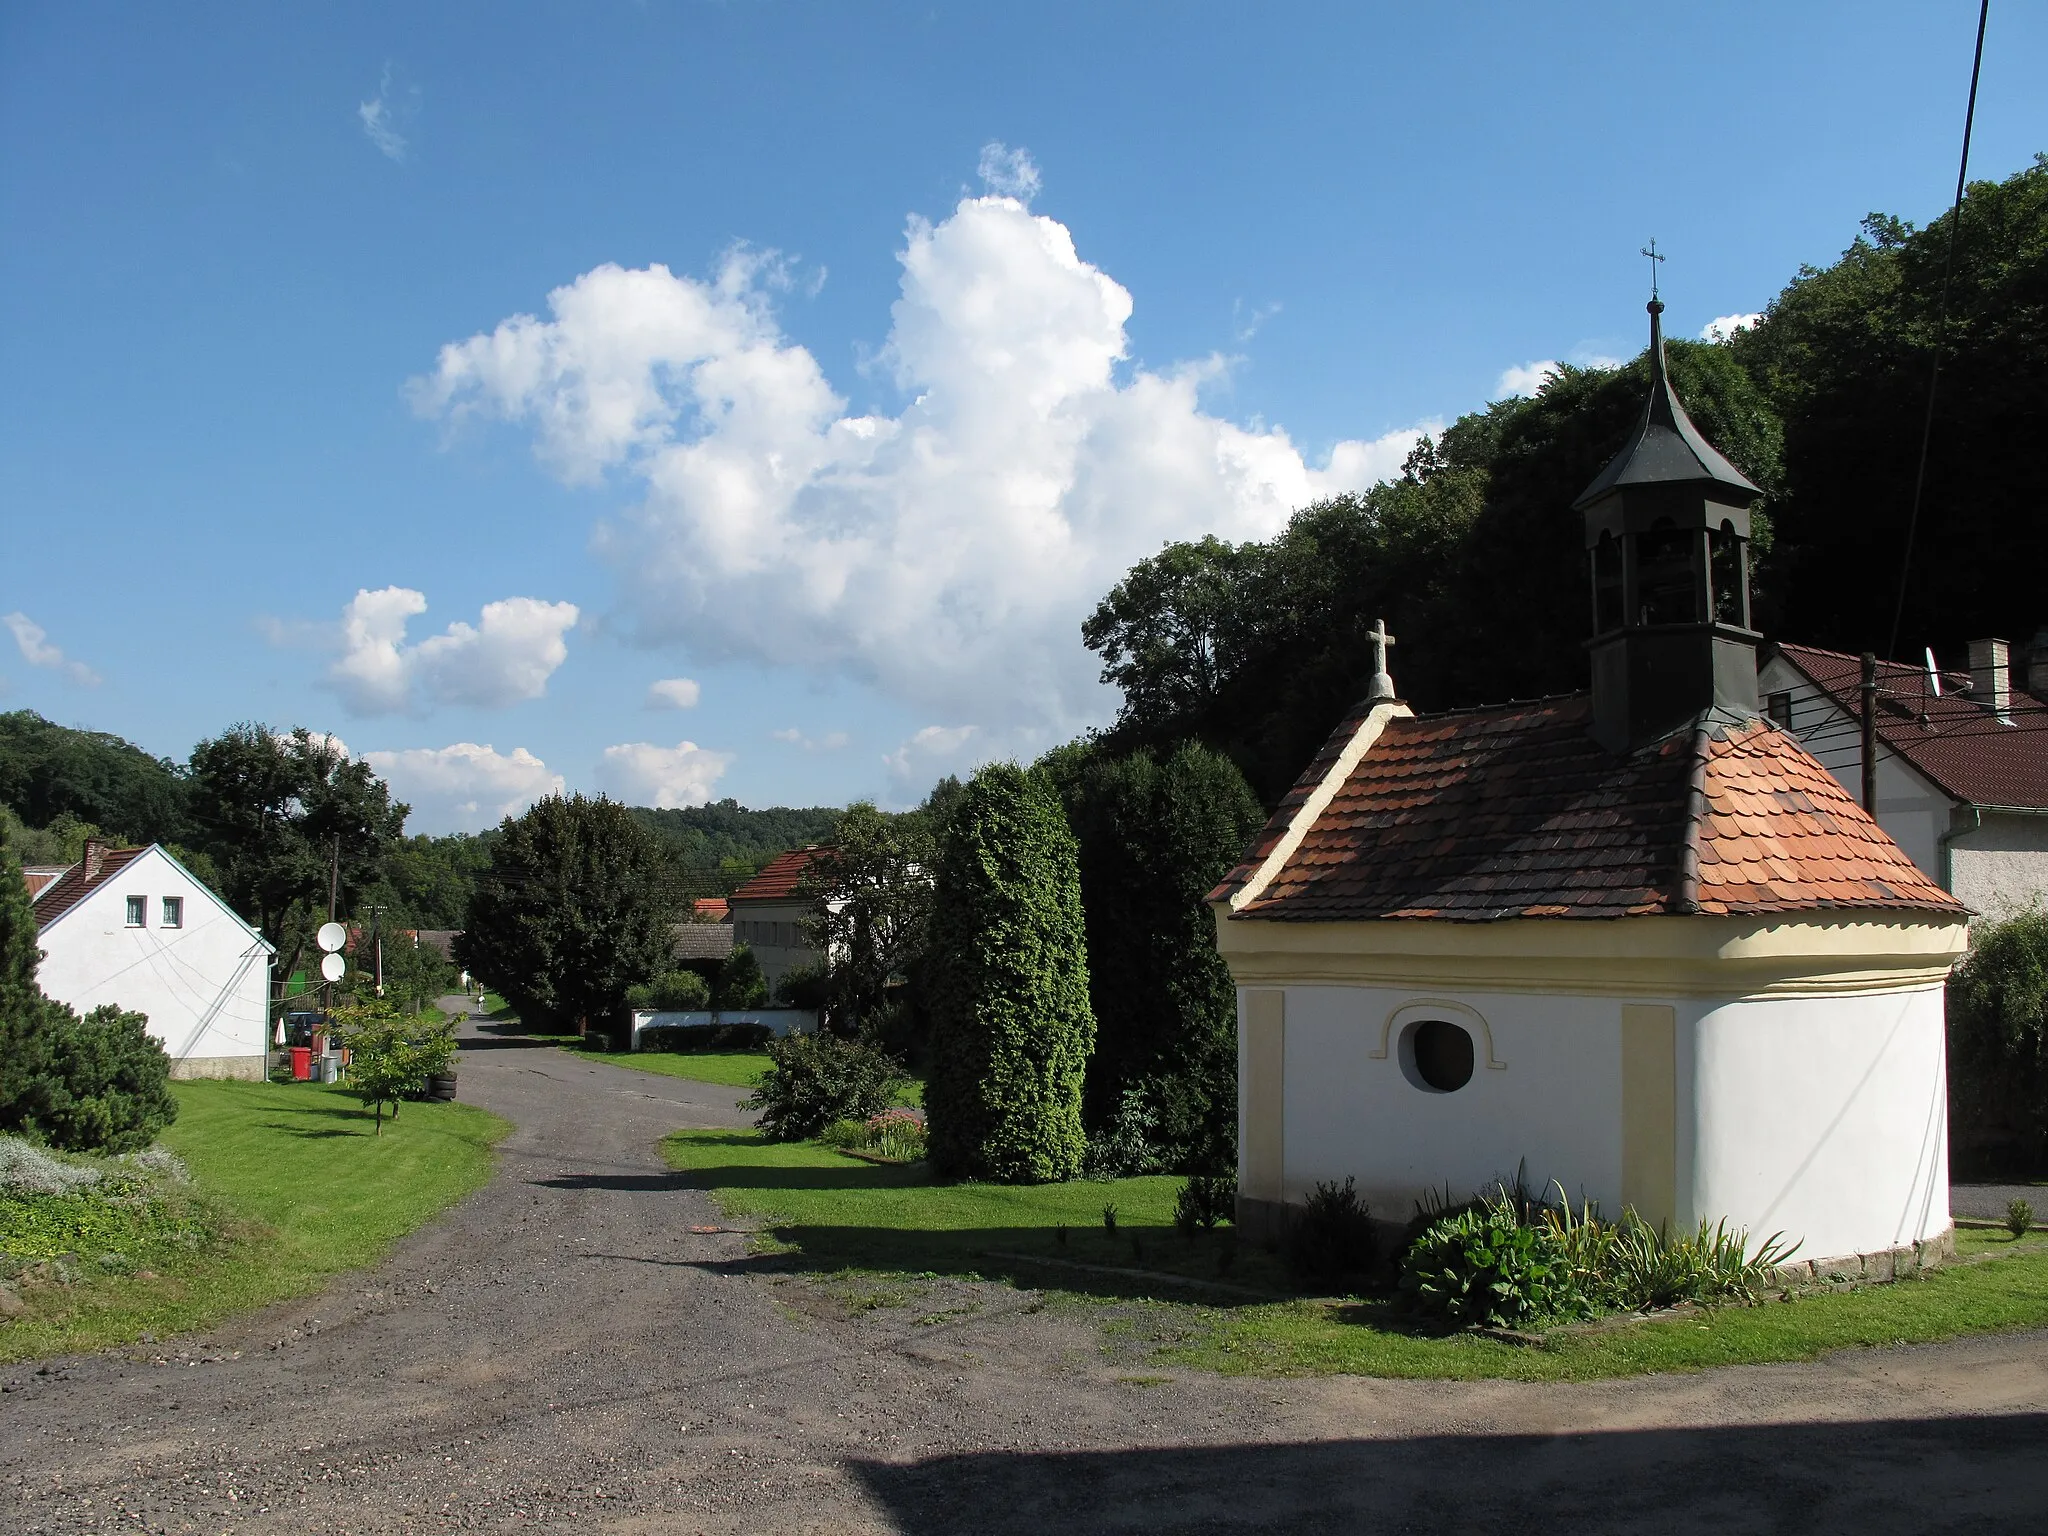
(1011,1026)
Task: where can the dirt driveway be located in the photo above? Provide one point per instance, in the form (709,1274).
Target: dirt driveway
(561,1351)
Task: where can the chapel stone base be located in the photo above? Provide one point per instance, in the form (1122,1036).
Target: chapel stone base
(239,1069)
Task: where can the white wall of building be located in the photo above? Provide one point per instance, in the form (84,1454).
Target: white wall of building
(773,930)
(1555,1101)
(1821,1117)
(205,985)
(1825,1118)
(2001,867)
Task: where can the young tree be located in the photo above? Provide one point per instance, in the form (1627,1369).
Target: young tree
(1011,1026)
(741,984)
(873,891)
(571,912)
(1155,836)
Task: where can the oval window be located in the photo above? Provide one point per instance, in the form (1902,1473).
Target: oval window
(1438,1055)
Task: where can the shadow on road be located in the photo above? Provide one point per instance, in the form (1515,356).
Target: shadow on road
(1893,1475)
(625,1181)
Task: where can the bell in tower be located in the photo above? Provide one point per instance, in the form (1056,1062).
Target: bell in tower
(1667,523)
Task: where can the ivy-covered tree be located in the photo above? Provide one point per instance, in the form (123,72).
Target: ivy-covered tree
(1156,832)
(1008,986)
(572,911)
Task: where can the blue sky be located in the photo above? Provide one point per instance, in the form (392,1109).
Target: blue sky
(865,346)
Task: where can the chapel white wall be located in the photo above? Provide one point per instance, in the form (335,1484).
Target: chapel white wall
(1825,1118)
(205,986)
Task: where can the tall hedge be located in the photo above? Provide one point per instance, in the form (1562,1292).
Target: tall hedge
(1156,832)
(1008,975)
(1998,1050)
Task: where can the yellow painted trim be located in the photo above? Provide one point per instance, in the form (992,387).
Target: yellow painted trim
(1622,957)
(1649,1110)
(1437,1007)
(1263,1171)
(1361,742)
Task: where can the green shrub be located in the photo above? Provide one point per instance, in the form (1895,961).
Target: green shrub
(1330,1240)
(815,1079)
(895,1133)
(808,986)
(1485,1266)
(1008,975)
(1998,1049)
(740,983)
(671,992)
(391,1055)
(683,1038)
(1125,1147)
(1204,1201)
(1648,1267)
(93,1084)
(2018,1217)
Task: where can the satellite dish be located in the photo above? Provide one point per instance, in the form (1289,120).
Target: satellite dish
(332,937)
(333,967)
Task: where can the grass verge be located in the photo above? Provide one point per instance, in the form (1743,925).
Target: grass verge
(732,1069)
(301,1190)
(829,1213)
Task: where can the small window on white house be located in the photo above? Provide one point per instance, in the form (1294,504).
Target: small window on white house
(1436,1055)
(174,911)
(138,911)
(1779,707)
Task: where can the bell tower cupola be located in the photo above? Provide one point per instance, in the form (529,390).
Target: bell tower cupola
(1667,525)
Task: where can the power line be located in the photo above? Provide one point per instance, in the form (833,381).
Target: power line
(1955,225)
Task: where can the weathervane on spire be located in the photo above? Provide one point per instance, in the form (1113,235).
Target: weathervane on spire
(1650,251)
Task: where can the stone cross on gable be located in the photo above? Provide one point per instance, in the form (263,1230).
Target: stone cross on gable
(1382,681)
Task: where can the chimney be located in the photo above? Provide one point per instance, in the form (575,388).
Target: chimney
(1991,676)
(95,857)
(2037,664)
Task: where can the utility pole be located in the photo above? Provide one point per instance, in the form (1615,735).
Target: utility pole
(1869,722)
(377,944)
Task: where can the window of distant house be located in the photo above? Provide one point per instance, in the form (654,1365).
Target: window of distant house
(138,911)
(174,911)
(1779,707)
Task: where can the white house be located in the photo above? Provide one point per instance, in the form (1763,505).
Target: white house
(1636,941)
(134,927)
(1962,759)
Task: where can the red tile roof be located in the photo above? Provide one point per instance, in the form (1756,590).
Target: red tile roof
(1518,812)
(72,887)
(1954,740)
(778,878)
(709,909)
(36,876)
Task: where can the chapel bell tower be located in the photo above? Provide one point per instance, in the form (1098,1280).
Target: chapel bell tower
(1667,523)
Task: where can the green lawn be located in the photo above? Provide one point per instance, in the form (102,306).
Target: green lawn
(307,1191)
(830,1213)
(733,1069)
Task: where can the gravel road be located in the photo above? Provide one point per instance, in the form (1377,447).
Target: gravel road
(562,1351)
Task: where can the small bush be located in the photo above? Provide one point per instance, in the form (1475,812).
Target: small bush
(1649,1268)
(1484,1266)
(1205,1200)
(685,1038)
(1330,1240)
(815,1079)
(93,1084)
(740,983)
(2018,1217)
(1126,1146)
(671,992)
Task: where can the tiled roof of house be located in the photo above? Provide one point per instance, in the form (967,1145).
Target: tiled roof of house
(36,876)
(1518,812)
(74,885)
(778,878)
(439,940)
(709,909)
(701,941)
(1951,738)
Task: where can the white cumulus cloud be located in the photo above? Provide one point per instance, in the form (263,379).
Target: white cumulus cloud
(945,554)
(1528,379)
(674,693)
(1008,172)
(33,641)
(507,656)
(464,787)
(1728,325)
(641,773)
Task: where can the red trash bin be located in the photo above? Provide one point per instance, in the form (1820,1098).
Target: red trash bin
(302,1063)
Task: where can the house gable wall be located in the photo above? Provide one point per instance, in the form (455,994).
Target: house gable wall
(205,986)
